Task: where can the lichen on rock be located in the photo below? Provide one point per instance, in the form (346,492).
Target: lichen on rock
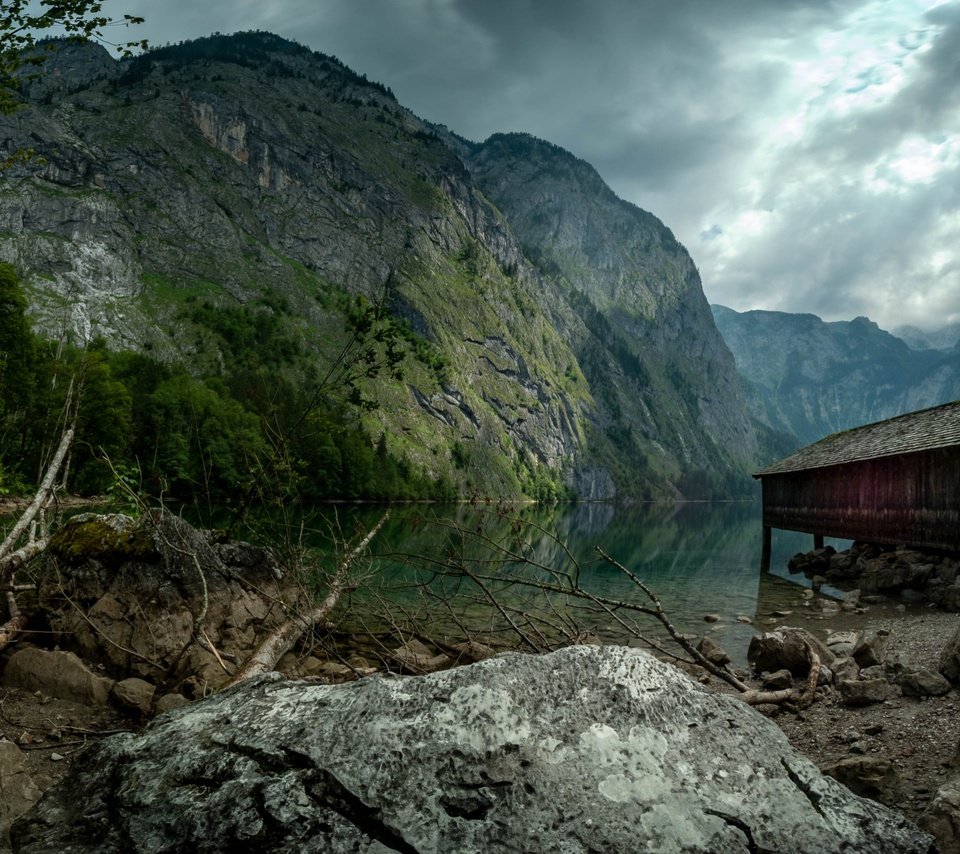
(585,749)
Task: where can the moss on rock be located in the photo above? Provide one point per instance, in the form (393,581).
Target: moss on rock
(112,538)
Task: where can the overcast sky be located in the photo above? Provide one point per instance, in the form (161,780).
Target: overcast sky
(806,152)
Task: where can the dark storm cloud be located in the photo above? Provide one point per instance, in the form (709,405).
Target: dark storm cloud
(806,152)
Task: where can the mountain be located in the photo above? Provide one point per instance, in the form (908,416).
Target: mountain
(556,340)
(810,378)
(946,338)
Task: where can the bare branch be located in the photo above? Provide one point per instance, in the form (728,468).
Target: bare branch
(41,498)
(282,639)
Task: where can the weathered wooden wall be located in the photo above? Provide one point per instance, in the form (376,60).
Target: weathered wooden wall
(912,499)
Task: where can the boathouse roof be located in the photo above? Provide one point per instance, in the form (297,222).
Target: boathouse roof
(937,427)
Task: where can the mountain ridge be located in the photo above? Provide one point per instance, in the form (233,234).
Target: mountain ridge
(809,377)
(242,168)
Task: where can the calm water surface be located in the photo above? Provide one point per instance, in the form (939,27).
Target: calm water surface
(699,558)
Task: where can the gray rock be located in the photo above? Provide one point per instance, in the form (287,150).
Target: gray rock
(864,692)
(18,792)
(415,657)
(869,776)
(472,651)
(871,646)
(713,652)
(942,817)
(777,680)
(923,683)
(950,658)
(784,648)
(586,749)
(169,702)
(845,668)
(842,643)
(58,674)
(134,695)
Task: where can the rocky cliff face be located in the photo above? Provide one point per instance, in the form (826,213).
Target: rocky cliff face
(235,168)
(639,294)
(810,378)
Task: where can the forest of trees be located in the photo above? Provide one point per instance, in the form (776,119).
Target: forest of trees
(202,440)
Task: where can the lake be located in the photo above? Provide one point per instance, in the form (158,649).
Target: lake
(699,558)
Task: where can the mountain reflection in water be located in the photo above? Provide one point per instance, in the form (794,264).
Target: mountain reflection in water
(699,558)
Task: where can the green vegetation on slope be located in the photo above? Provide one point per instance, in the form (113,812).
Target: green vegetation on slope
(201,439)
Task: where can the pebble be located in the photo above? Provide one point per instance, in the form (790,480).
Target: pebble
(57,757)
(711,618)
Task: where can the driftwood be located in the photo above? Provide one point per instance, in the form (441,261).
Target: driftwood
(282,639)
(41,499)
(12,558)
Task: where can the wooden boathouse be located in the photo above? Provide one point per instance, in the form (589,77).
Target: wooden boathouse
(895,482)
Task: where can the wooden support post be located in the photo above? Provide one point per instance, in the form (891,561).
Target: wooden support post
(765,552)
(818,541)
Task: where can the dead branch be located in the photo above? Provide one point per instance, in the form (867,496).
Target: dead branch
(40,500)
(11,629)
(10,563)
(810,689)
(282,638)
(661,615)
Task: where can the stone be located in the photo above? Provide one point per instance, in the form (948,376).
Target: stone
(335,670)
(137,581)
(171,701)
(778,680)
(868,776)
(415,657)
(713,652)
(816,562)
(864,692)
(850,600)
(134,695)
(923,683)
(469,652)
(871,646)
(587,748)
(711,618)
(842,643)
(784,648)
(828,607)
(941,818)
(950,658)
(18,792)
(845,668)
(57,674)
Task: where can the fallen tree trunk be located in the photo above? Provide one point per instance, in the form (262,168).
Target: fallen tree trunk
(12,562)
(42,497)
(282,639)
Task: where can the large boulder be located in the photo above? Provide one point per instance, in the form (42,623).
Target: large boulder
(56,673)
(586,749)
(786,648)
(128,594)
